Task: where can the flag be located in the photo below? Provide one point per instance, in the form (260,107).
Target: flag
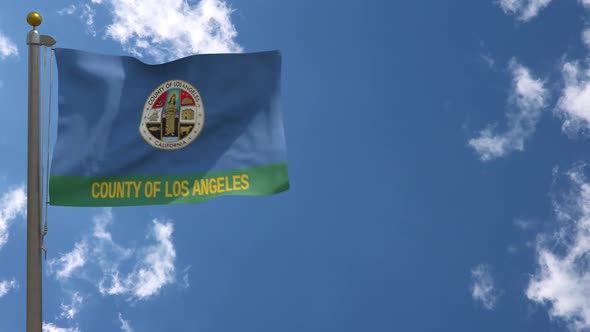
(181,132)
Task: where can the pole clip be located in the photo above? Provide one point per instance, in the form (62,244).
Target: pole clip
(34,38)
(43,240)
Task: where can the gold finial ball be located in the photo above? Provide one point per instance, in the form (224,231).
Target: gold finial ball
(34,19)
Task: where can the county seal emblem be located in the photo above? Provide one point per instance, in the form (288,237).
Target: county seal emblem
(173,116)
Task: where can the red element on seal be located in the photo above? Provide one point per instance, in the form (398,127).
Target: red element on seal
(161,100)
(186,98)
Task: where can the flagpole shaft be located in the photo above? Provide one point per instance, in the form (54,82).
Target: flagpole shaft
(34,277)
(34,290)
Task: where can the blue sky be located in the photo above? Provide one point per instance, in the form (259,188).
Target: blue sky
(437,153)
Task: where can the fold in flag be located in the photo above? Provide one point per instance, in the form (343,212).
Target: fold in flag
(181,132)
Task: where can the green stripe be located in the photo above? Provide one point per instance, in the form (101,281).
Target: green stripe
(126,190)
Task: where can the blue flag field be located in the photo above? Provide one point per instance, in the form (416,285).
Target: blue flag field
(186,131)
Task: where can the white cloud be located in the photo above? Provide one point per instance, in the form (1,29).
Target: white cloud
(482,286)
(181,29)
(152,273)
(185,278)
(107,253)
(574,104)
(69,311)
(157,268)
(488,60)
(66,264)
(524,224)
(6,286)
(69,10)
(88,17)
(86,14)
(7,47)
(512,249)
(50,327)
(100,249)
(562,280)
(528,99)
(114,286)
(125,327)
(153,269)
(524,9)
(586,37)
(12,204)
(100,225)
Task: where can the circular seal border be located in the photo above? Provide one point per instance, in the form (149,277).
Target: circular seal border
(153,96)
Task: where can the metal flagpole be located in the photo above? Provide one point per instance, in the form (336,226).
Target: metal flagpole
(34,304)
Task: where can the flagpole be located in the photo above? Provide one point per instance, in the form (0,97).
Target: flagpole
(34,290)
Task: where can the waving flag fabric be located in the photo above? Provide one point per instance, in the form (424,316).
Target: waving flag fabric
(186,131)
